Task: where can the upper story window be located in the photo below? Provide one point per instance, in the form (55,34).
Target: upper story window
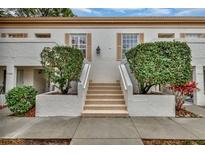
(128,41)
(193,35)
(42,35)
(79,41)
(166,35)
(14,35)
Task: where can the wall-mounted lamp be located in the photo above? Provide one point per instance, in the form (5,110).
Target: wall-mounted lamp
(98,50)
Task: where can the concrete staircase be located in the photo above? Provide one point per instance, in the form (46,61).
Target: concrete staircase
(105,100)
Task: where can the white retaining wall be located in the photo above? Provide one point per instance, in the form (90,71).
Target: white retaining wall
(58,105)
(151,105)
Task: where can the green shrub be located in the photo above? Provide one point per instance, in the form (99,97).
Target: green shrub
(160,63)
(21,99)
(62,64)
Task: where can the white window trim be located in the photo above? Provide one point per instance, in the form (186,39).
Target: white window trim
(77,34)
(138,39)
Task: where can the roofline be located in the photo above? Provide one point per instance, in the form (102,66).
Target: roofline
(66,21)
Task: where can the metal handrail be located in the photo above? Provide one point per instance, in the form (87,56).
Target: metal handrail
(87,75)
(123,78)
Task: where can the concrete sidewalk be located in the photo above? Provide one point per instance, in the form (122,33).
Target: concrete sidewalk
(103,130)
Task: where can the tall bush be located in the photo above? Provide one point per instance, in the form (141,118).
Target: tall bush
(160,63)
(62,64)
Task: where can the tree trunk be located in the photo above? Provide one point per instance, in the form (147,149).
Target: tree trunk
(146,89)
(179,102)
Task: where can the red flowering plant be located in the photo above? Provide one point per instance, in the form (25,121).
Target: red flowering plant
(182,91)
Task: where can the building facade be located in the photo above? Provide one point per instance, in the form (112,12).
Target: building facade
(103,42)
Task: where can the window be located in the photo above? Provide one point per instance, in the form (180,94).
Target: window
(194,35)
(128,41)
(79,41)
(14,35)
(43,35)
(166,35)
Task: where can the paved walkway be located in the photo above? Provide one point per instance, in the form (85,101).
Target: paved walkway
(103,130)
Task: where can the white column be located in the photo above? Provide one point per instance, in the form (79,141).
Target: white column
(10,77)
(200,97)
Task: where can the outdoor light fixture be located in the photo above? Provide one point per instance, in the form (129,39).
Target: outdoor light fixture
(98,50)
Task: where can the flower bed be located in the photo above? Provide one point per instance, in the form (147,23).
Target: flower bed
(2,106)
(31,112)
(186,114)
(35,141)
(172,142)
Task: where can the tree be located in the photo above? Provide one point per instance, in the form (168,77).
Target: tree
(62,64)
(38,12)
(160,63)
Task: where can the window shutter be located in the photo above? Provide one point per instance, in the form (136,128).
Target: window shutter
(141,37)
(119,46)
(182,35)
(89,46)
(67,39)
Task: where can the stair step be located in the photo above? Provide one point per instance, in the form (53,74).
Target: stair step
(105,107)
(105,96)
(105,113)
(104,88)
(104,84)
(104,101)
(104,92)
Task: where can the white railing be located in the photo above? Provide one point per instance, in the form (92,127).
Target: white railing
(83,83)
(125,82)
(85,75)
(123,78)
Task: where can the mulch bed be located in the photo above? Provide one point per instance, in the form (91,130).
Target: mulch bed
(35,141)
(2,107)
(186,114)
(30,113)
(58,93)
(172,142)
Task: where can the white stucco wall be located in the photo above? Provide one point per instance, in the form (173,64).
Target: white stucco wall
(25,52)
(105,37)
(58,105)
(151,105)
(21,52)
(28,76)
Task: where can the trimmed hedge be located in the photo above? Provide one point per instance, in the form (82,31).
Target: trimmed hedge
(160,63)
(21,99)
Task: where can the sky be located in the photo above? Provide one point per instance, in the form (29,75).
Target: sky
(138,12)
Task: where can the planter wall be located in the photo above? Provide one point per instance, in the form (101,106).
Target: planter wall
(151,105)
(58,105)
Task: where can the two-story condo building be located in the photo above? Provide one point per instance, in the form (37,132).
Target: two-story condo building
(103,41)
